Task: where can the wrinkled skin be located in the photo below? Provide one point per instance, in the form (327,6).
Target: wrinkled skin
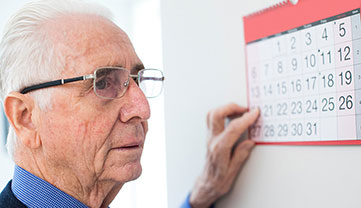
(223,164)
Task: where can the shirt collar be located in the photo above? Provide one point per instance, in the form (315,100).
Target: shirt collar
(35,192)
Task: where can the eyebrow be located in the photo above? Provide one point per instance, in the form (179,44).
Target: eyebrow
(136,68)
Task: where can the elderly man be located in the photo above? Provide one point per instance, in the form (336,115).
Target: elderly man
(75,93)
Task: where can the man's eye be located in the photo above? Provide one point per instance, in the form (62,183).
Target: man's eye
(101,84)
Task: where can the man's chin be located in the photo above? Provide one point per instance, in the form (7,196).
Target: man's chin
(128,172)
(136,172)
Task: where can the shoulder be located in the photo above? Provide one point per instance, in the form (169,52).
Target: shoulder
(8,199)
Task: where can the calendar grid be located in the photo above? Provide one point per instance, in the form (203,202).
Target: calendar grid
(307,81)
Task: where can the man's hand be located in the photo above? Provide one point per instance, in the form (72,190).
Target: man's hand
(224,159)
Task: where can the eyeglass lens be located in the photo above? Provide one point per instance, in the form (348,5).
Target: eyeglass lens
(151,82)
(113,82)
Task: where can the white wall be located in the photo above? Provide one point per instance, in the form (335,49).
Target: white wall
(203,52)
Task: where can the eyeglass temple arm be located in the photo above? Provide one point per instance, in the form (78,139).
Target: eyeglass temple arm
(63,81)
(55,83)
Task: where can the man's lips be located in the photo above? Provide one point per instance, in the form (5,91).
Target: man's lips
(130,146)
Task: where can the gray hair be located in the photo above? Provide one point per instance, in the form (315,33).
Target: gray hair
(28,57)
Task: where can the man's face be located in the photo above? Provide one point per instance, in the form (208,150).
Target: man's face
(83,135)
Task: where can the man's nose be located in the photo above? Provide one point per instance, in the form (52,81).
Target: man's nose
(135,104)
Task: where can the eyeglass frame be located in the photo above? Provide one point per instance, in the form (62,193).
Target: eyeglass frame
(91,76)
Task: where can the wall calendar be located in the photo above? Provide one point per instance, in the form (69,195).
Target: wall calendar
(304,72)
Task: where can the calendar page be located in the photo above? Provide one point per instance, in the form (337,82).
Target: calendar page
(306,80)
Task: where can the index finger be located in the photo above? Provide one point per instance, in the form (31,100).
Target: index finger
(216,118)
(237,126)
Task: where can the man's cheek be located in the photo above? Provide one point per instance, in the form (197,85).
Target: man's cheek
(94,135)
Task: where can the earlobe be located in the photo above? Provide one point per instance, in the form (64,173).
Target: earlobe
(19,109)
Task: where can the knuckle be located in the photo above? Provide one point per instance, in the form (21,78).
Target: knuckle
(234,129)
(214,148)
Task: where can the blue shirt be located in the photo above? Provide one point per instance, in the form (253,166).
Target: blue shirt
(35,192)
(186,203)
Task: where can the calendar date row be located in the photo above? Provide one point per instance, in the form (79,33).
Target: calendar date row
(328,104)
(326,81)
(320,59)
(295,129)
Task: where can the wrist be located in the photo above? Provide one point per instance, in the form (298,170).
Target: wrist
(202,197)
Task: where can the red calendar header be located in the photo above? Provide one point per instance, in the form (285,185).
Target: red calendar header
(288,16)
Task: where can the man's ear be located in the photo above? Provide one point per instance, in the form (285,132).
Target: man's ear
(19,109)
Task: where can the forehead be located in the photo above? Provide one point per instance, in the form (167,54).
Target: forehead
(87,42)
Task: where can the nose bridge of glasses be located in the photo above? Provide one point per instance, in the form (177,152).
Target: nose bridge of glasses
(134,76)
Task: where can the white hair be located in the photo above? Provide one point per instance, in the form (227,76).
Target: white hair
(28,56)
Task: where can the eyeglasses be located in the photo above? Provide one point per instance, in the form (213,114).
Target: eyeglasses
(113,82)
